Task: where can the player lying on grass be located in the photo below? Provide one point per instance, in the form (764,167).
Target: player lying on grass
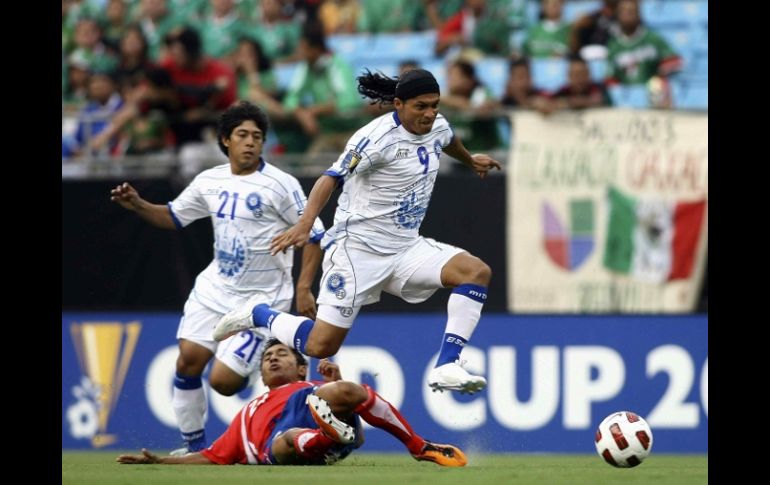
(297,422)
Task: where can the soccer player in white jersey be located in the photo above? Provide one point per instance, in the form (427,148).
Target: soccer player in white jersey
(388,171)
(249,202)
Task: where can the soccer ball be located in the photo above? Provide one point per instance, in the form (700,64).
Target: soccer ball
(623,439)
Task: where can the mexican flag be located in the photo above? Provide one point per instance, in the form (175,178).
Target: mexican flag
(652,240)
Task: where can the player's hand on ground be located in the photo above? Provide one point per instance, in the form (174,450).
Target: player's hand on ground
(483,163)
(296,235)
(125,195)
(329,370)
(145,458)
(306,303)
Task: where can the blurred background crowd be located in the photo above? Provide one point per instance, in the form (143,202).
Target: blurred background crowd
(146,79)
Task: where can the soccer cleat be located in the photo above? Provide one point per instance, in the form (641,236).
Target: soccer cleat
(180,451)
(453,377)
(444,455)
(332,427)
(236,320)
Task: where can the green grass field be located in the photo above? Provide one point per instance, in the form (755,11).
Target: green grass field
(100,467)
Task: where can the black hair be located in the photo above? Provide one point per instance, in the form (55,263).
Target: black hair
(519,62)
(237,114)
(190,40)
(272,342)
(467,69)
(383,89)
(313,33)
(377,86)
(263,62)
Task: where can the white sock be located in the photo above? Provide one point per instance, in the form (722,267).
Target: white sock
(463,315)
(285,326)
(189,408)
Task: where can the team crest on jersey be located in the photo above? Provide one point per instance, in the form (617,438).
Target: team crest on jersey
(230,250)
(254,204)
(410,213)
(402,153)
(351,160)
(346,311)
(336,284)
(437,149)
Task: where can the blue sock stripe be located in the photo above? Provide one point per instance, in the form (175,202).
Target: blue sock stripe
(187,382)
(262,315)
(474,292)
(451,347)
(450,337)
(196,440)
(302,334)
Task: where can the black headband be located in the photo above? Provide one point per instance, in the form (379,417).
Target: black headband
(416,82)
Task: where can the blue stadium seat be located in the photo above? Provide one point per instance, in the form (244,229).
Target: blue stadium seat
(533,12)
(577,8)
(679,38)
(690,95)
(401,46)
(598,68)
(549,74)
(284,74)
(493,73)
(631,96)
(438,69)
(662,13)
(352,46)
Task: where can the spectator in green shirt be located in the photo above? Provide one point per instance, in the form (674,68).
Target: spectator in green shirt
(636,53)
(323,86)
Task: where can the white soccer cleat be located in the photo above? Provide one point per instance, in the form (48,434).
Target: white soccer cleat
(180,451)
(332,427)
(452,377)
(235,321)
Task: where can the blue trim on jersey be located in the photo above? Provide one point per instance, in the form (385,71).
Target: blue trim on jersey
(177,222)
(317,238)
(261,164)
(328,245)
(340,179)
(396,119)
(474,292)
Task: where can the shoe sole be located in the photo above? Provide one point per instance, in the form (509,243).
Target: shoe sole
(331,426)
(439,459)
(217,334)
(471,387)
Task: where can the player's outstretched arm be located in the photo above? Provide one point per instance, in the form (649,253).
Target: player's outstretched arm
(299,234)
(156,214)
(147,458)
(479,163)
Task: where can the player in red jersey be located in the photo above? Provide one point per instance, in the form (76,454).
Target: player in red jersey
(305,423)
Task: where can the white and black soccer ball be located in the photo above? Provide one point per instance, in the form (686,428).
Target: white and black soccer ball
(623,439)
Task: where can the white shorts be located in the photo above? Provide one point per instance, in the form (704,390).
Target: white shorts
(239,352)
(354,276)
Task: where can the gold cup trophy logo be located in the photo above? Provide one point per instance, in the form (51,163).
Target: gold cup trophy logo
(104,351)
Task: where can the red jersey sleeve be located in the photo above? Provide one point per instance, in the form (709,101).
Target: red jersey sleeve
(228,448)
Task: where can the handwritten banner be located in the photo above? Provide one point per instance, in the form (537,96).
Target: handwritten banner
(607,211)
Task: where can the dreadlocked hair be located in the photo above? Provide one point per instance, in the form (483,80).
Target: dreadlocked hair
(378,87)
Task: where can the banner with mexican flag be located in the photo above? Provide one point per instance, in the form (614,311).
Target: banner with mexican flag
(607,211)
(652,239)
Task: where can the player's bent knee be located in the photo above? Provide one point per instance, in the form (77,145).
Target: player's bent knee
(225,388)
(343,396)
(321,348)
